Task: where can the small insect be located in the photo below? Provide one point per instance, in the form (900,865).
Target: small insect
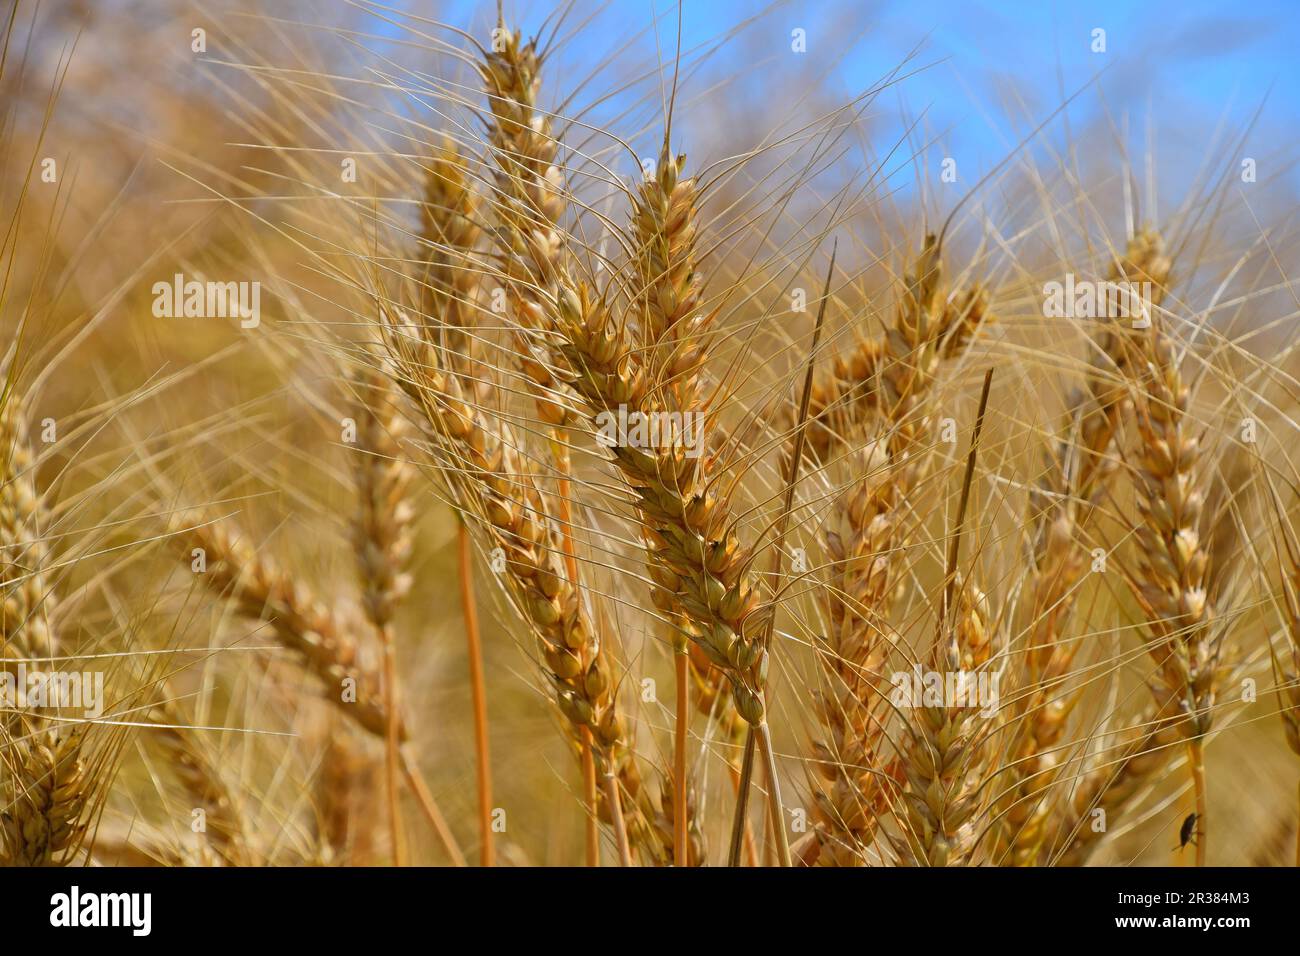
(1187,833)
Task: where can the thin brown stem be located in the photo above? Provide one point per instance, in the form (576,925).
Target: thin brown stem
(1196,760)
(954,543)
(478,694)
(740,821)
(769,842)
(589,795)
(616,819)
(680,816)
(775,811)
(751,852)
(392,743)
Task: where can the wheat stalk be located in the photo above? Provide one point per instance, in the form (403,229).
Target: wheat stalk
(226,829)
(502,488)
(1080,470)
(382,544)
(864,542)
(329,648)
(452,286)
(1171,579)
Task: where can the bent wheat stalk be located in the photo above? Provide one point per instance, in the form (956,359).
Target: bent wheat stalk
(300,622)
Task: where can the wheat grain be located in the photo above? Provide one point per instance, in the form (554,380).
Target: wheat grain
(329,648)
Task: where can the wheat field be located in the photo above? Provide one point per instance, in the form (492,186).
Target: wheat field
(590,434)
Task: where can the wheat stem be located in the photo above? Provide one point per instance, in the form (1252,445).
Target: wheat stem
(1196,760)
(681,660)
(591,800)
(478,694)
(776,813)
(619,825)
(392,742)
(739,822)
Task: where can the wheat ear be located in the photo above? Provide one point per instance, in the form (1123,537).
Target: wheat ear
(326,646)
(944,744)
(382,545)
(1171,578)
(664,226)
(1079,472)
(226,830)
(47,790)
(699,566)
(531,198)
(847,396)
(301,623)
(451,232)
(863,542)
(452,286)
(25,630)
(491,477)
(344,785)
(43,821)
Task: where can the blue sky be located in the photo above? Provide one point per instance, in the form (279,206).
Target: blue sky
(1185,66)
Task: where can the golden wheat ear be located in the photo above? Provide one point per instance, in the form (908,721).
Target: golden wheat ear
(885,388)
(328,647)
(226,829)
(1078,475)
(499,490)
(1170,484)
